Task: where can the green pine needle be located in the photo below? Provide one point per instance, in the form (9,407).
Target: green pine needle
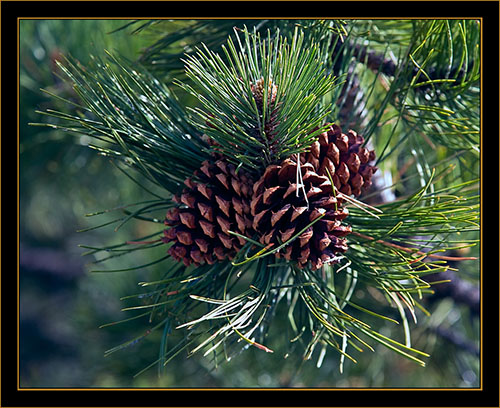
(229,114)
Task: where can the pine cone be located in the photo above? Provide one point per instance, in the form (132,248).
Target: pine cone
(346,160)
(258,93)
(271,121)
(279,214)
(216,202)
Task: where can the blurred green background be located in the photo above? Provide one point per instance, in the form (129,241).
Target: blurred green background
(62,305)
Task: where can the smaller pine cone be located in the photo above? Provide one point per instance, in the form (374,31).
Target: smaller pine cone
(258,92)
(345,159)
(279,214)
(271,121)
(216,201)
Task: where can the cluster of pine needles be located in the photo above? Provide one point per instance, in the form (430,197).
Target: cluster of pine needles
(423,116)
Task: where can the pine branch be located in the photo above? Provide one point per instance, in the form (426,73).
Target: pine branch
(231,114)
(175,41)
(435,85)
(134,119)
(262,100)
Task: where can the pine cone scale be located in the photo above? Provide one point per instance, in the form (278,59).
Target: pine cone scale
(297,212)
(278,215)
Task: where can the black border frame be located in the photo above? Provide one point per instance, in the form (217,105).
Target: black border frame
(487,396)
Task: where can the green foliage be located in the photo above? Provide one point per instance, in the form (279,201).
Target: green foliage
(429,68)
(430,100)
(430,71)
(229,114)
(135,118)
(173,40)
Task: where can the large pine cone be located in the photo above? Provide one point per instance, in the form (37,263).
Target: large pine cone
(279,214)
(345,159)
(215,202)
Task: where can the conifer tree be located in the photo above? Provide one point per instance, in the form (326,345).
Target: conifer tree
(290,164)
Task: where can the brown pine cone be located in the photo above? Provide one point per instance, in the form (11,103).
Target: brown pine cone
(345,159)
(216,200)
(279,214)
